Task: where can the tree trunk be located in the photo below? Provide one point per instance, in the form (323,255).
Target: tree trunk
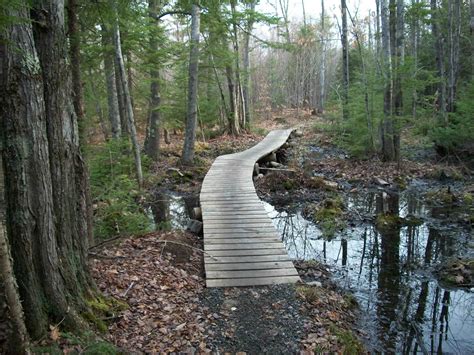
(345,62)
(191,119)
(127,99)
(111,83)
(233,115)
(19,342)
(454,18)
(152,142)
(46,193)
(472,39)
(246,66)
(386,126)
(439,47)
(120,95)
(322,72)
(75,55)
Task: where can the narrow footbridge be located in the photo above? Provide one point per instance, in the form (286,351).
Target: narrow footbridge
(242,246)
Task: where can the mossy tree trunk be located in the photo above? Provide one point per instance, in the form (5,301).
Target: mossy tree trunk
(45,175)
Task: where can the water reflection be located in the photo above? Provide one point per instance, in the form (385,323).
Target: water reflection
(170,211)
(404,309)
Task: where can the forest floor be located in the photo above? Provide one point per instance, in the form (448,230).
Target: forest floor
(160,275)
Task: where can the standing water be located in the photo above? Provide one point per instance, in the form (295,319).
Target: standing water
(403,307)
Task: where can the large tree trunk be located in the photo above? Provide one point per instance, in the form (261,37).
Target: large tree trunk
(345,62)
(47,217)
(111,83)
(233,115)
(19,342)
(191,116)
(127,99)
(152,142)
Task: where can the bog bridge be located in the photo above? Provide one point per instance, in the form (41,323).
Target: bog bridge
(242,246)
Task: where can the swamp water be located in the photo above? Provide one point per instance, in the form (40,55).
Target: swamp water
(403,308)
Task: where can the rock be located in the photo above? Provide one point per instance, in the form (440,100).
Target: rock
(194,226)
(274,164)
(297,133)
(380,181)
(256,169)
(268,158)
(197,213)
(259,176)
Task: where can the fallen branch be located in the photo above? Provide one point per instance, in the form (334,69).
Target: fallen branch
(277,169)
(128,289)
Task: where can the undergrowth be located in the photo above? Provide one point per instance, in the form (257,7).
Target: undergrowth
(114,189)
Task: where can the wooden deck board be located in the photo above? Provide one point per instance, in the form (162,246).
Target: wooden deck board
(242,246)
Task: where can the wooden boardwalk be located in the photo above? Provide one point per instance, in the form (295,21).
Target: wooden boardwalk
(242,246)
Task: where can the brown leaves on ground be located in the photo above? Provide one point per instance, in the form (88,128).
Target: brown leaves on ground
(164,312)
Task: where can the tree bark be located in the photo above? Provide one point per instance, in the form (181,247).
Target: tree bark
(345,62)
(152,142)
(111,83)
(19,342)
(75,55)
(322,72)
(454,18)
(472,39)
(246,66)
(191,119)
(439,47)
(46,193)
(386,125)
(127,99)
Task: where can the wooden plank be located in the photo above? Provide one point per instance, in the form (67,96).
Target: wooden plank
(246,248)
(248,252)
(251,281)
(245,259)
(219,241)
(232,235)
(240,246)
(249,266)
(251,273)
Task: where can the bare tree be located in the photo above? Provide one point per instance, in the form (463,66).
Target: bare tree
(191,119)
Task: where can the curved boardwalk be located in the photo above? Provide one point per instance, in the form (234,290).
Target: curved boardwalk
(242,246)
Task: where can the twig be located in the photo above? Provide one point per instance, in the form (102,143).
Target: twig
(106,241)
(277,169)
(128,289)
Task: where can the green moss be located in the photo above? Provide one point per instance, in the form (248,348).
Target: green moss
(289,185)
(468,199)
(351,301)
(102,307)
(412,221)
(401,182)
(388,221)
(346,338)
(309,293)
(329,216)
(443,196)
(93,319)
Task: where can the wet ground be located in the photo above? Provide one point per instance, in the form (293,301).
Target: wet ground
(391,270)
